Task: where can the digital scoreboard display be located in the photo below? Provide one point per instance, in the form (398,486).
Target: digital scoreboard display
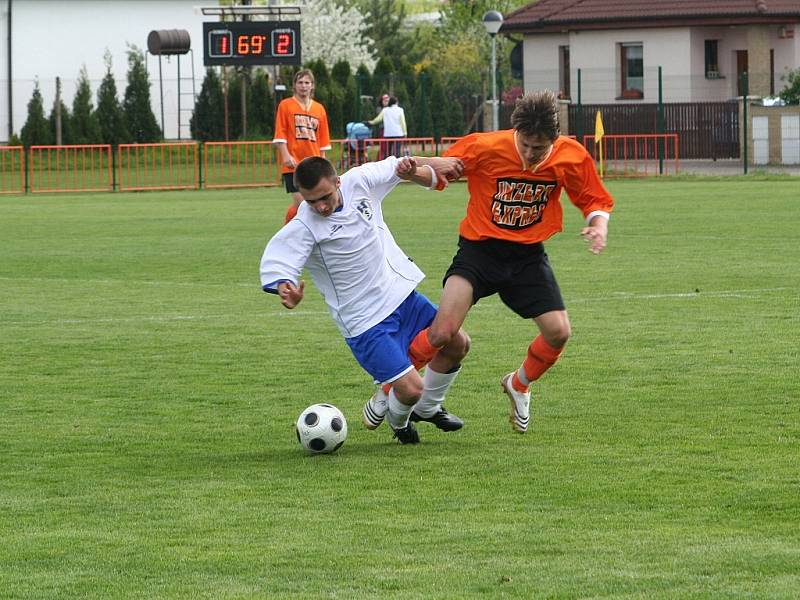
(251,43)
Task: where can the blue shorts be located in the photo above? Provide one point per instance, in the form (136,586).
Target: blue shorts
(382,350)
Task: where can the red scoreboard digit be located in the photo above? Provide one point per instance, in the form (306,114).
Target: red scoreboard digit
(252,43)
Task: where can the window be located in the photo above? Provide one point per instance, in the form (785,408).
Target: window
(712,62)
(563,69)
(632,70)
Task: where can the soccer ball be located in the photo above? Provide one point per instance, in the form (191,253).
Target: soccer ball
(321,429)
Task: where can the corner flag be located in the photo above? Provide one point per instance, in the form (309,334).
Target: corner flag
(599,132)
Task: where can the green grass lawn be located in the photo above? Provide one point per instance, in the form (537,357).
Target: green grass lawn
(149,389)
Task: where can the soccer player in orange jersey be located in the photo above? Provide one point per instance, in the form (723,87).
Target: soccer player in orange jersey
(515,178)
(301,130)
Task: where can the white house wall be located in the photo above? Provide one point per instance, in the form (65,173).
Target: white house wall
(540,61)
(55,38)
(679,51)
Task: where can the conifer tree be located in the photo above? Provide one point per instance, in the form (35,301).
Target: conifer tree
(84,126)
(110,118)
(36,130)
(208,121)
(262,107)
(67,133)
(139,118)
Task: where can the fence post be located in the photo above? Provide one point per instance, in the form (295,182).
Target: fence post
(114,164)
(200,148)
(661,150)
(579,128)
(746,86)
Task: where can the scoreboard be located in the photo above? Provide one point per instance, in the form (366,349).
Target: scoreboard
(251,43)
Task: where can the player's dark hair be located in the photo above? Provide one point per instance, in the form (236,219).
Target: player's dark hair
(311,171)
(536,114)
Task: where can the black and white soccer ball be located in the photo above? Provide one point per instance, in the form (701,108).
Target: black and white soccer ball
(321,429)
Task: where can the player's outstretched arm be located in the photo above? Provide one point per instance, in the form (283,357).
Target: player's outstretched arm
(451,167)
(596,234)
(290,294)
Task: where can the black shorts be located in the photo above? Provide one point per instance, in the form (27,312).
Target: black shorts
(288,181)
(519,273)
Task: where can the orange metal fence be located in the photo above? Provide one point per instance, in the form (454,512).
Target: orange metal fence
(170,166)
(79,168)
(240,164)
(12,170)
(636,155)
(348,153)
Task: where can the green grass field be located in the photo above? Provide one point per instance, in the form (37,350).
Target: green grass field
(148,393)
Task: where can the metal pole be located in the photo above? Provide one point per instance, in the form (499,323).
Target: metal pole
(579,128)
(661,149)
(744,118)
(495,106)
(179,96)
(161,93)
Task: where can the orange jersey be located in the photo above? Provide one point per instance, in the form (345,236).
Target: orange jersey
(305,132)
(509,202)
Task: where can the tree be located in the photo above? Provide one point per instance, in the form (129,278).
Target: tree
(261,114)
(67,133)
(791,93)
(110,118)
(332,33)
(36,130)
(384,20)
(139,118)
(423,120)
(84,124)
(383,77)
(207,123)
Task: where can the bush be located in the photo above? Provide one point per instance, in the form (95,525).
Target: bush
(791,93)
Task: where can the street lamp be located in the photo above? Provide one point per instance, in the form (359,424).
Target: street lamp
(492,21)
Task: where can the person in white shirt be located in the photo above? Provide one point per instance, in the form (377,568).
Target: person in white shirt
(393,118)
(369,284)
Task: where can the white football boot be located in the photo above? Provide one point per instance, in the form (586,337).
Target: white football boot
(520,404)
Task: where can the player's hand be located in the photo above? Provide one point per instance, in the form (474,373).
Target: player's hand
(290,294)
(290,163)
(451,168)
(406,168)
(596,235)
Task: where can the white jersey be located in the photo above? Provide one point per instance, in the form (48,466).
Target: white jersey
(394,121)
(351,254)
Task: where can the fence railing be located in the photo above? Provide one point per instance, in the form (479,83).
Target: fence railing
(636,155)
(169,166)
(173,166)
(79,168)
(12,170)
(240,164)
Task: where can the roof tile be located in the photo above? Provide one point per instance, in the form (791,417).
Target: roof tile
(577,12)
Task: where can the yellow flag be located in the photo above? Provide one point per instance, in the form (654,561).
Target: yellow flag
(599,132)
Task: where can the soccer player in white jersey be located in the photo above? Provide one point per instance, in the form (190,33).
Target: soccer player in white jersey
(368,282)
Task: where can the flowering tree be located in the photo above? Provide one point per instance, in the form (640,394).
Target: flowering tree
(332,33)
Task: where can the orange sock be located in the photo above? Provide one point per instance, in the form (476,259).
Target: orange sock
(421,351)
(541,356)
(290,213)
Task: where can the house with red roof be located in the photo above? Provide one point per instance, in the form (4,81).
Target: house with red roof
(703,47)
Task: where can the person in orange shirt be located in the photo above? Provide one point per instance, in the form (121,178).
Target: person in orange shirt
(515,178)
(301,130)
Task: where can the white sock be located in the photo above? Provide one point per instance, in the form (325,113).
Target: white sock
(398,412)
(434,388)
(523,377)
